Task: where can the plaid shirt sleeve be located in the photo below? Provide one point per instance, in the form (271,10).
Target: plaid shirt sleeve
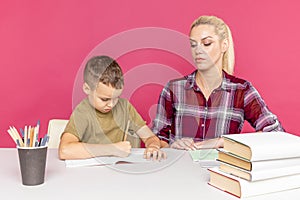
(164,115)
(257,113)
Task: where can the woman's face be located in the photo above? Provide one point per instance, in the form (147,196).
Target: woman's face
(207,49)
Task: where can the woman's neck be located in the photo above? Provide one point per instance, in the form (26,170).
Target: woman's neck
(209,80)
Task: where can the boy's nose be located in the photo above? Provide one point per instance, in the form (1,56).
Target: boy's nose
(110,104)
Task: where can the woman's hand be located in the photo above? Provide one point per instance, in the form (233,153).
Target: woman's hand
(184,144)
(190,144)
(210,144)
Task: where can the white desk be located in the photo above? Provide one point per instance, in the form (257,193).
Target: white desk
(183,179)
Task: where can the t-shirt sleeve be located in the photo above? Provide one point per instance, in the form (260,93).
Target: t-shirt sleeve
(76,125)
(136,121)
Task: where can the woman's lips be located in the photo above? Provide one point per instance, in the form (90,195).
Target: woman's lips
(199,59)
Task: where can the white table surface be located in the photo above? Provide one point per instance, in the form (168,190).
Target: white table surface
(180,179)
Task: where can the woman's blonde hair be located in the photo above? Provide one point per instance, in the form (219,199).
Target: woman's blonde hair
(223,31)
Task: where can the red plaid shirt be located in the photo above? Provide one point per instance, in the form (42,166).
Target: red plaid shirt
(183,110)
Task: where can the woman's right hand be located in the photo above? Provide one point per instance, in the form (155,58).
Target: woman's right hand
(210,144)
(121,149)
(184,144)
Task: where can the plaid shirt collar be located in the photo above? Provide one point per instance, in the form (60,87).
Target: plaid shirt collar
(191,81)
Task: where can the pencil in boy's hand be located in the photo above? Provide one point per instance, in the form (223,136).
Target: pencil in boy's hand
(126,131)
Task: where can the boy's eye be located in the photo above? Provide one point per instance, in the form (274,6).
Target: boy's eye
(104,99)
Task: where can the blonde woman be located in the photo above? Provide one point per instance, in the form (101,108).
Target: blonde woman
(195,110)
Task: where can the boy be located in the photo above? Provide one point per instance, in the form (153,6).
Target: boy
(98,123)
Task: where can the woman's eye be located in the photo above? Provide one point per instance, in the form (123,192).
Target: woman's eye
(207,44)
(193,45)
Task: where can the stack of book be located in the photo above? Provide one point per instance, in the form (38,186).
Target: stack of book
(257,163)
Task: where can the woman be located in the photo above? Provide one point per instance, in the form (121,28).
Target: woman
(210,102)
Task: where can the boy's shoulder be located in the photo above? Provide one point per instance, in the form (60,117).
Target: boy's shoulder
(123,103)
(83,106)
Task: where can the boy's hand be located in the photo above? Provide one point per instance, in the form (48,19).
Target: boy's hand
(154,153)
(121,149)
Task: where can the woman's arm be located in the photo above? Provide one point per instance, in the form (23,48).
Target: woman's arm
(257,113)
(164,115)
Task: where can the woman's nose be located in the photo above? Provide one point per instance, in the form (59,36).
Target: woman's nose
(199,49)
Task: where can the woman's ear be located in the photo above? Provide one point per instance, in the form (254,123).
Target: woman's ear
(225,45)
(86,88)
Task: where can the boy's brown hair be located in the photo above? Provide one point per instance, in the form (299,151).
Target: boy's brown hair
(103,69)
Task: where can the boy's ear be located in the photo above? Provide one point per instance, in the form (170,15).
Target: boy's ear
(86,88)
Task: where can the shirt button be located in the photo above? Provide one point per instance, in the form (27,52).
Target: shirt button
(202,125)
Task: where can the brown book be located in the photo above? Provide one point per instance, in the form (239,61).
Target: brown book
(243,188)
(262,174)
(234,160)
(240,162)
(263,145)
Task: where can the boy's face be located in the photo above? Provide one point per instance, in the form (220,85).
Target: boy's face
(104,97)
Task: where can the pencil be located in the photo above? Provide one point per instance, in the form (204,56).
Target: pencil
(17,135)
(126,131)
(36,134)
(12,136)
(31,131)
(25,136)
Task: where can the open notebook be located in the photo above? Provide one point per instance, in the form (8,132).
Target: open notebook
(205,157)
(136,156)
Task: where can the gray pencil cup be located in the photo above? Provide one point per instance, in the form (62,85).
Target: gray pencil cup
(32,162)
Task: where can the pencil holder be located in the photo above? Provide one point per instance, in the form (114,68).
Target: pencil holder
(32,164)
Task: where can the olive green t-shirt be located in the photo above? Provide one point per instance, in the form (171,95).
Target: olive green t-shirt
(91,126)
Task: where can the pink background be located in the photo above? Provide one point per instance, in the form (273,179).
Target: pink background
(44,43)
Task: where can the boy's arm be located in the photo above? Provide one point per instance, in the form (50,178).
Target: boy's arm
(71,148)
(149,138)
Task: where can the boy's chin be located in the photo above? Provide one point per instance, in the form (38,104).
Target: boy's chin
(105,110)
